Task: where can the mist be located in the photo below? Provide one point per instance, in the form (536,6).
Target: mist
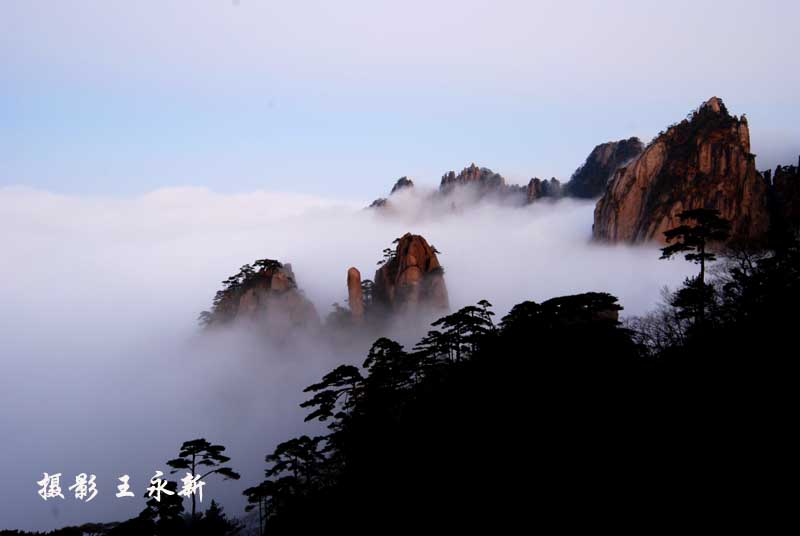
(106,371)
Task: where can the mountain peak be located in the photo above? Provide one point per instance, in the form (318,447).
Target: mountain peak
(484,178)
(702,162)
(715,104)
(591,178)
(402,183)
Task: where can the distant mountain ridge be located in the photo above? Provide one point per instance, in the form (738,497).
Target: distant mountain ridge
(483,183)
(703,161)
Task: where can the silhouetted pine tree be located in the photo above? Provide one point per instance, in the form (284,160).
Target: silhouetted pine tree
(693,240)
(201,458)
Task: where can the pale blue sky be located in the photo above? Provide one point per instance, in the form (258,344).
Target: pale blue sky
(341,98)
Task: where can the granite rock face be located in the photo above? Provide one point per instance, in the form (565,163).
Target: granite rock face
(265,295)
(702,162)
(411,279)
(355,294)
(589,180)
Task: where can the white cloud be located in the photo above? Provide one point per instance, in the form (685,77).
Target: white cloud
(103,369)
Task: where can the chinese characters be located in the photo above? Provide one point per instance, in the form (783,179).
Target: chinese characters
(85,487)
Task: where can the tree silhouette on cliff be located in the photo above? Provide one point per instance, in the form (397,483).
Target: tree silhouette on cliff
(693,240)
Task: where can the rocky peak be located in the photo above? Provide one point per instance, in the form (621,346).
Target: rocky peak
(401,184)
(716,105)
(538,189)
(411,277)
(355,294)
(484,179)
(702,162)
(591,178)
(480,183)
(265,294)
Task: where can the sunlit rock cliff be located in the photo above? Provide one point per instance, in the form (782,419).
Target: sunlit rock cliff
(702,162)
(411,278)
(264,295)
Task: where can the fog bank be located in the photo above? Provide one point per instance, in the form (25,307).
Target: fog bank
(104,369)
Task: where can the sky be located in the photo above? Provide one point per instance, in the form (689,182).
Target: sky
(338,99)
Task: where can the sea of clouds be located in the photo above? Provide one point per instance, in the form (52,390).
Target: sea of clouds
(105,372)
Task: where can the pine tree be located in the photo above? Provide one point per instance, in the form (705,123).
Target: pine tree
(708,227)
(199,453)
